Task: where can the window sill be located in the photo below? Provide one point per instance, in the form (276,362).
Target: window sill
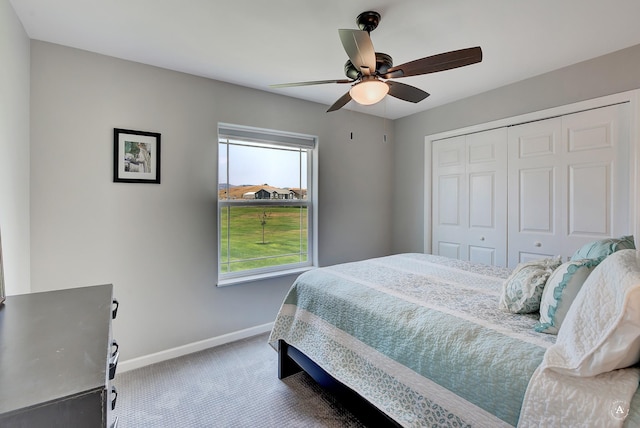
(262,276)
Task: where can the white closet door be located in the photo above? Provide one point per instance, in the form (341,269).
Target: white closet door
(487,196)
(597,154)
(535,192)
(449,192)
(568,182)
(469,197)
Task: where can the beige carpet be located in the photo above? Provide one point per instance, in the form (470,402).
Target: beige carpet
(234,385)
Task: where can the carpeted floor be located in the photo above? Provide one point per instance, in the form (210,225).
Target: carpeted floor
(234,385)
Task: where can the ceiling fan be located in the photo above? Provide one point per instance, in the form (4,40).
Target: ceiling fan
(371,72)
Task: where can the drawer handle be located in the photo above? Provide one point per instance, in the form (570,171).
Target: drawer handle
(482,238)
(114,392)
(113,360)
(114,312)
(114,344)
(538,244)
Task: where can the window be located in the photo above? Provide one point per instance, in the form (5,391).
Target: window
(266,203)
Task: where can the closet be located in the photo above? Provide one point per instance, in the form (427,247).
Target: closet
(470,197)
(532,189)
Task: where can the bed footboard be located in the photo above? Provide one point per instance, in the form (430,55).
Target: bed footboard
(287,365)
(291,361)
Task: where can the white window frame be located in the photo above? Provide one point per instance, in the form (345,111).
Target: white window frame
(232,132)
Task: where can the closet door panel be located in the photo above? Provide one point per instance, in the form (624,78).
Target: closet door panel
(449,193)
(450,231)
(483,237)
(535,199)
(469,197)
(450,153)
(536,235)
(483,255)
(589,130)
(487,198)
(597,158)
(535,195)
(482,200)
(449,200)
(590,201)
(528,256)
(536,141)
(449,249)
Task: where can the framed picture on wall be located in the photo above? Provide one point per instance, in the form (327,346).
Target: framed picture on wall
(136,156)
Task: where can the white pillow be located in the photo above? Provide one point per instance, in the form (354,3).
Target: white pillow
(559,292)
(602,329)
(522,291)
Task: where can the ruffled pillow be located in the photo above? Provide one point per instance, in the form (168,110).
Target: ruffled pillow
(604,247)
(559,292)
(522,291)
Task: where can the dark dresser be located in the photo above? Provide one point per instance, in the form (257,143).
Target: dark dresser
(57,359)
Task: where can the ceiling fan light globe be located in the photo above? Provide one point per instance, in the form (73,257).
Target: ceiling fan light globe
(369,92)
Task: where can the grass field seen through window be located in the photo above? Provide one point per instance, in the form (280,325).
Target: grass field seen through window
(244,246)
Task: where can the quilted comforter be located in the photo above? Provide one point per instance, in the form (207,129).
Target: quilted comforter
(419,336)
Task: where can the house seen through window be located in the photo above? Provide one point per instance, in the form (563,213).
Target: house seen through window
(265,202)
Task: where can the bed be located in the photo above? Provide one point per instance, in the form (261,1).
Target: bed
(421,340)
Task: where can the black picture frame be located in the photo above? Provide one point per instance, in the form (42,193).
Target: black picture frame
(136,156)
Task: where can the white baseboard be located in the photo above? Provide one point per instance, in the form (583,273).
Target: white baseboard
(189,348)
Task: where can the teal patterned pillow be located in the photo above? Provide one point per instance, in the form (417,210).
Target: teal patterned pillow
(604,247)
(561,289)
(522,291)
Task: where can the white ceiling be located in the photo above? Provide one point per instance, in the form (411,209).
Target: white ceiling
(256,43)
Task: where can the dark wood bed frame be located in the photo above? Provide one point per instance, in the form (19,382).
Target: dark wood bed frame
(291,361)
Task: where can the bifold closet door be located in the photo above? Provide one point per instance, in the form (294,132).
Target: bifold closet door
(568,182)
(449,231)
(487,197)
(536,184)
(598,161)
(470,197)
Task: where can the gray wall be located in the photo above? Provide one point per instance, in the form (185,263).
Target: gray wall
(609,74)
(14,150)
(157,243)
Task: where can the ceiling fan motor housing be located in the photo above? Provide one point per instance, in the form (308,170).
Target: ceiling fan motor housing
(383,63)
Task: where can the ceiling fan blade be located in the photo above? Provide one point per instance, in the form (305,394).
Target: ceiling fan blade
(316,82)
(435,63)
(342,101)
(406,92)
(359,47)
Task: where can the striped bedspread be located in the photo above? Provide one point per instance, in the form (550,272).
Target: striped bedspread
(420,336)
